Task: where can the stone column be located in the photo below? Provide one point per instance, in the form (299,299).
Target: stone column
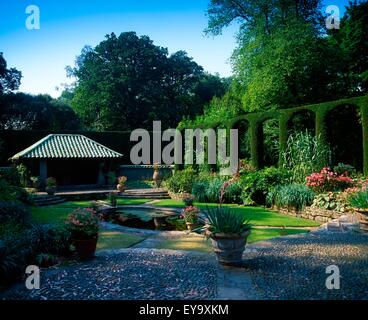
(43,172)
(321,129)
(364,114)
(283,137)
(256,143)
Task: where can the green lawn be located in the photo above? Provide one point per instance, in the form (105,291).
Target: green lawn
(112,240)
(204,245)
(122,202)
(256,215)
(116,240)
(51,214)
(58,213)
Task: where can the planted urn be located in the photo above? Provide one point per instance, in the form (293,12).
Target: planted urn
(228,232)
(121,187)
(51,186)
(83,225)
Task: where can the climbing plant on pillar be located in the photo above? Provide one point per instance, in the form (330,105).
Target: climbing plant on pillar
(364,115)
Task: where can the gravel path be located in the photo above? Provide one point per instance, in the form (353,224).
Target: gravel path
(292,267)
(295,267)
(127,274)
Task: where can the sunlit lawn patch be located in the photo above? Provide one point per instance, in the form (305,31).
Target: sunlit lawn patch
(256,215)
(190,243)
(116,240)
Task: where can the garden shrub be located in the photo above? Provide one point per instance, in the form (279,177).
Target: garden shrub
(335,201)
(48,239)
(291,196)
(10,264)
(14,211)
(10,175)
(255,186)
(327,180)
(10,193)
(213,190)
(359,200)
(344,169)
(181,181)
(233,193)
(17,250)
(199,190)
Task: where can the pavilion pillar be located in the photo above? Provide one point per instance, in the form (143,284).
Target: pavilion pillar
(256,143)
(283,138)
(43,171)
(101,175)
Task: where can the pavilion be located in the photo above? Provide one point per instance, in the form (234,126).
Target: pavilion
(71,159)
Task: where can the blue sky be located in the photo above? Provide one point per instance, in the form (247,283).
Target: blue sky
(68,25)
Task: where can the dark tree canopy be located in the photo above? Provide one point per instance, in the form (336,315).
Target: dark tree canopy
(126,82)
(9,78)
(22,111)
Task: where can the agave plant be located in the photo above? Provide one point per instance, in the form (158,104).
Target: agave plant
(225,220)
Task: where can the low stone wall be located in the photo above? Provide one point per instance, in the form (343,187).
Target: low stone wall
(312,213)
(144,172)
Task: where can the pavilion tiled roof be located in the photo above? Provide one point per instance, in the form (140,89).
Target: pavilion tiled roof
(66,146)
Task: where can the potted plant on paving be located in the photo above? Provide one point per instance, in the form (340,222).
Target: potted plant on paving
(83,225)
(122,183)
(190,215)
(51,186)
(228,232)
(359,201)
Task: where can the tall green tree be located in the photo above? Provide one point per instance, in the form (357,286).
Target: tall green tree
(351,42)
(20,111)
(126,82)
(9,78)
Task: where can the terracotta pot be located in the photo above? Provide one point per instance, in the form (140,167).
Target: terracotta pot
(229,248)
(121,187)
(190,226)
(86,249)
(50,190)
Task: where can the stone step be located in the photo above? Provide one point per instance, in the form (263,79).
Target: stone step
(143,197)
(47,201)
(145,193)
